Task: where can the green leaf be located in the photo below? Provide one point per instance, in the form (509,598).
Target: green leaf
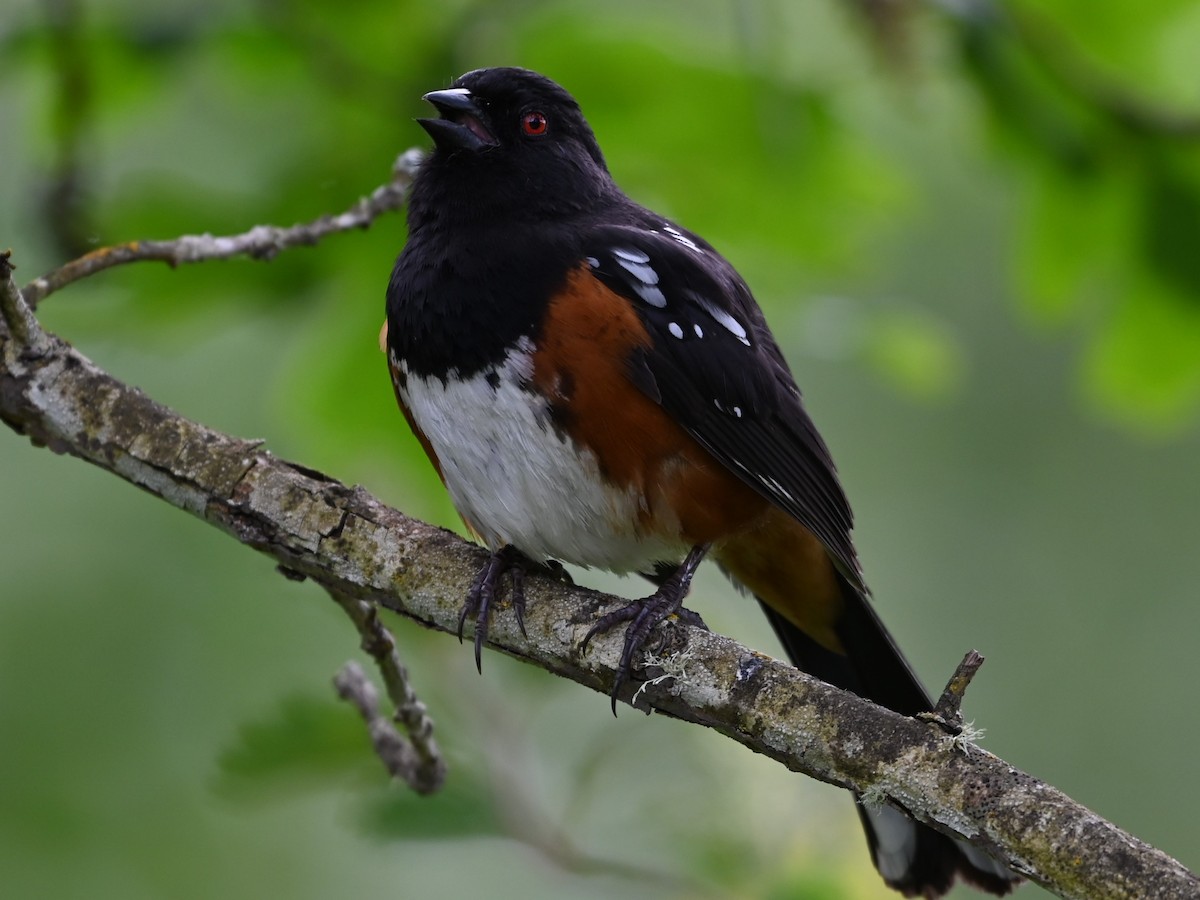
(464,806)
(916,353)
(1074,244)
(1171,227)
(304,739)
(1144,365)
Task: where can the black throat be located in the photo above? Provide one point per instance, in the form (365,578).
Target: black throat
(473,277)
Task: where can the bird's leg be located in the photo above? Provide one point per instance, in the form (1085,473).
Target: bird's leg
(483,593)
(645,614)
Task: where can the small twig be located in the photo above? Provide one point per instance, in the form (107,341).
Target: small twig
(262,242)
(26,331)
(948,711)
(418,760)
(396,753)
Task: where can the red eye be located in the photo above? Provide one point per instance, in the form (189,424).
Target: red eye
(534,124)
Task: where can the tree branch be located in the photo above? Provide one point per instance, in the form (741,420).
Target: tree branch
(263,242)
(947,712)
(417,761)
(22,325)
(361,550)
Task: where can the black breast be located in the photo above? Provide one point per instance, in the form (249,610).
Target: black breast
(457,303)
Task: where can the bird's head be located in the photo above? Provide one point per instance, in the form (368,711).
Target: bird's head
(511,142)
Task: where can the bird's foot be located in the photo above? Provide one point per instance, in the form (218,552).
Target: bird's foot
(482,594)
(645,614)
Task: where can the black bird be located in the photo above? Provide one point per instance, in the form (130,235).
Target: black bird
(595,384)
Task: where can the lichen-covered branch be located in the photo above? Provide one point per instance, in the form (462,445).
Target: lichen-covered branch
(359,548)
(20,322)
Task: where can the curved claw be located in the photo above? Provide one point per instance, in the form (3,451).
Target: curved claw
(517,573)
(481,621)
(608,621)
(644,616)
(483,592)
(462,618)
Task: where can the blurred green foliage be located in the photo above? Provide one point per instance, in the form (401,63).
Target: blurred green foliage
(973,227)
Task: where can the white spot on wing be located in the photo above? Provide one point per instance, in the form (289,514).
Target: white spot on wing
(593,262)
(630,254)
(637,264)
(675,329)
(730,324)
(681,237)
(775,487)
(651,295)
(643,272)
(722,318)
(699,331)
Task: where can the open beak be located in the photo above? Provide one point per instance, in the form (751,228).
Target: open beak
(462,125)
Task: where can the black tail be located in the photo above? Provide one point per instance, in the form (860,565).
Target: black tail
(912,858)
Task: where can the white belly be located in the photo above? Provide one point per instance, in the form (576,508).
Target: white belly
(516,480)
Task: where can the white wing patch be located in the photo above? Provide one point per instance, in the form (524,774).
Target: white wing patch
(679,236)
(631,254)
(728,322)
(637,264)
(774,486)
(651,295)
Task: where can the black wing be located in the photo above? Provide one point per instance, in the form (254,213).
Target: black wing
(715,367)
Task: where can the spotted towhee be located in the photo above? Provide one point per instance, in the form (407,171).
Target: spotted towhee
(595,384)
